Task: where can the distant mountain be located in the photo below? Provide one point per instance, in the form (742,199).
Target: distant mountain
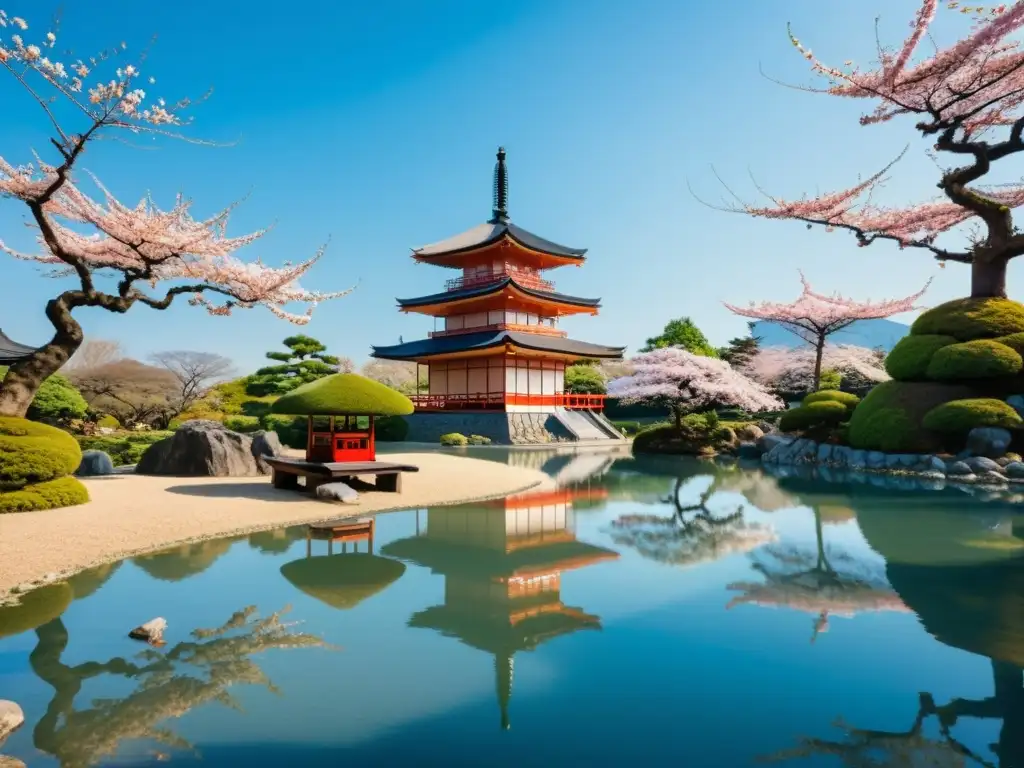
(863,333)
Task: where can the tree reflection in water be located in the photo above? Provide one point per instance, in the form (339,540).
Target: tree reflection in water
(692,533)
(169,684)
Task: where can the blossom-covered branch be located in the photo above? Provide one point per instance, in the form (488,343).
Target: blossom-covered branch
(785,369)
(958,94)
(89,236)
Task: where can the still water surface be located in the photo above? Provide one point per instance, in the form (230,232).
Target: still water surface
(649,613)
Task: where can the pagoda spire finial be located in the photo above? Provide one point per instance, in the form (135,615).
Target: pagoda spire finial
(500,212)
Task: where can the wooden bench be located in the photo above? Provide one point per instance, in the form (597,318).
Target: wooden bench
(286,473)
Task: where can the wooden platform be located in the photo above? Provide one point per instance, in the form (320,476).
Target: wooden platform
(286,473)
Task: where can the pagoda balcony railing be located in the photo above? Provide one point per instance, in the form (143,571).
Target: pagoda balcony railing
(541,330)
(496,401)
(525,278)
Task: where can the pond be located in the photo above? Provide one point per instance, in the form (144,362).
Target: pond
(648,612)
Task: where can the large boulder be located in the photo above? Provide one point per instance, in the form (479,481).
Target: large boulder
(990,442)
(201,449)
(265,445)
(11,719)
(95,464)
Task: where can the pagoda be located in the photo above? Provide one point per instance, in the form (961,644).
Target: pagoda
(502,564)
(496,345)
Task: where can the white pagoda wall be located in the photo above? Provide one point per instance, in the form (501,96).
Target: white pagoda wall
(495,375)
(493,528)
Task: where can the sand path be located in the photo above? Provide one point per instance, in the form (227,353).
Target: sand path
(133,514)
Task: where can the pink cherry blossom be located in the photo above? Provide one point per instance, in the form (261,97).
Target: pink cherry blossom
(785,369)
(686,382)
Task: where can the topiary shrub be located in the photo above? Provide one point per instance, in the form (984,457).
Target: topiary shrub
(1014,341)
(391,429)
(958,417)
(478,440)
(34,453)
(108,422)
(890,417)
(821,413)
(970,319)
(343,394)
(657,438)
(979,359)
(909,359)
(453,439)
(242,423)
(848,399)
(62,492)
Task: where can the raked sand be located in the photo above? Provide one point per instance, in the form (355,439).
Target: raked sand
(133,514)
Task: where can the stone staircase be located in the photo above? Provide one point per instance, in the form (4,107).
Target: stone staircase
(585,428)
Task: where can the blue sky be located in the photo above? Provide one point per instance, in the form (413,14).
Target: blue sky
(375,125)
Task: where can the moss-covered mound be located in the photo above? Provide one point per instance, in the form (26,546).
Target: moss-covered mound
(701,435)
(343,394)
(34,453)
(343,581)
(1014,341)
(53,494)
(848,399)
(822,413)
(979,359)
(34,609)
(970,319)
(958,417)
(909,359)
(891,416)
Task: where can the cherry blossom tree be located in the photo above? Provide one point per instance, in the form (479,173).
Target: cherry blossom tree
(966,99)
(784,369)
(89,237)
(814,317)
(687,383)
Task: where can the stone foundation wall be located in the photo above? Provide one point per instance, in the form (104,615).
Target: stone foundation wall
(500,428)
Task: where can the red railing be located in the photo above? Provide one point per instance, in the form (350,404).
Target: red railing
(496,401)
(525,278)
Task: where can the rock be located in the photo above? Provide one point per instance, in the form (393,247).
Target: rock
(934,464)
(858,460)
(1017,403)
(1015,469)
(991,478)
(337,492)
(767,442)
(265,445)
(980,465)
(751,451)
(824,453)
(840,455)
(876,459)
(958,468)
(749,433)
(766,427)
(152,631)
(6,761)
(11,719)
(95,464)
(990,442)
(201,449)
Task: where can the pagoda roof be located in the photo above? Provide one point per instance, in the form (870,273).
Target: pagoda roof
(474,342)
(11,351)
(491,232)
(474,292)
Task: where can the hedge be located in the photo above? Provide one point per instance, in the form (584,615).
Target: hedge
(125,448)
(62,492)
(31,452)
(970,319)
(979,359)
(242,423)
(890,416)
(959,417)
(909,359)
(847,399)
(821,413)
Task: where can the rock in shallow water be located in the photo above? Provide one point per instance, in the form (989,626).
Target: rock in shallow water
(11,719)
(958,468)
(1014,469)
(980,465)
(95,464)
(990,442)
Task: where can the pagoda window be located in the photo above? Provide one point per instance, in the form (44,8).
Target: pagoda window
(455,323)
(495,375)
(438,378)
(495,317)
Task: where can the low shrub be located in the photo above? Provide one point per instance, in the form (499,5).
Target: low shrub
(909,359)
(958,417)
(124,448)
(890,416)
(629,428)
(31,452)
(62,492)
(292,430)
(700,434)
(391,429)
(980,359)
(108,422)
(478,440)
(453,439)
(822,413)
(242,423)
(970,319)
(848,399)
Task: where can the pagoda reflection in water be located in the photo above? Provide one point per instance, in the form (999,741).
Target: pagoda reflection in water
(502,564)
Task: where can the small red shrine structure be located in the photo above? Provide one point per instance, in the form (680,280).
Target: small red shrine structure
(340,438)
(499,347)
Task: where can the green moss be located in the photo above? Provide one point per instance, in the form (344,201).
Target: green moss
(1014,341)
(34,453)
(980,359)
(453,439)
(53,494)
(848,399)
(961,416)
(344,394)
(821,413)
(34,609)
(108,422)
(909,359)
(969,319)
(478,440)
(890,418)
(242,423)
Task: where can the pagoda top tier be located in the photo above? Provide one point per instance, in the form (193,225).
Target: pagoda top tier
(498,239)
